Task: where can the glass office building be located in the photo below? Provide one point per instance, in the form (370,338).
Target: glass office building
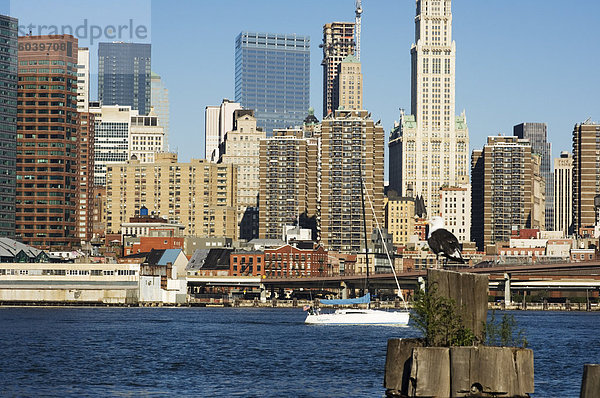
(272,77)
(124,75)
(8,124)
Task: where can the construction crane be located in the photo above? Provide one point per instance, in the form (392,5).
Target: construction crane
(357,13)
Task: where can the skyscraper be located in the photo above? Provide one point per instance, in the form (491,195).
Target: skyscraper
(429,147)
(507,190)
(338,43)
(111,141)
(85,212)
(241,148)
(351,143)
(563,193)
(350,84)
(83,79)
(124,75)
(586,173)
(536,133)
(8,125)
(121,133)
(218,120)
(160,102)
(48,134)
(288,182)
(272,77)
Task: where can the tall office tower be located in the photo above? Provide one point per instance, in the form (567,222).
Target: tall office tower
(83,79)
(350,87)
(241,147)
(537,135)
(124,75)
(350,142)
(120,134)
(563,193)
(160,102)
(507,190)
(47,139)
(85,213)
(455,206)
(111,139)
(586,173)
(288,182)
(199,194)
(86,147)
(272,76)
(429,148)
(338,43)
(217,121)
(8,126)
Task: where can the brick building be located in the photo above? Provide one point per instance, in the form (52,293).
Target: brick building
(291,261)
(47,142)
(247,263)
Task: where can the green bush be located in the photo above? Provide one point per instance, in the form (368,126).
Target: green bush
(503,332)
(440,321)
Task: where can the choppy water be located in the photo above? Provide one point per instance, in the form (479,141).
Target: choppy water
(230,352)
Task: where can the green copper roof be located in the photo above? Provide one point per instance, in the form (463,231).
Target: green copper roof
(409,121)
(461,123)
(351,59)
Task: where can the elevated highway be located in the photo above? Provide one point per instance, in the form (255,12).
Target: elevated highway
(559,276)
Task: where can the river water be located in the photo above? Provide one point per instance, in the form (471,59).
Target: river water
(233,352)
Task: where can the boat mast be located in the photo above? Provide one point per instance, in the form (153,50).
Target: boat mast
(362,198)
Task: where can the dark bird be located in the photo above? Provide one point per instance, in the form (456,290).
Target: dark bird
(441,241)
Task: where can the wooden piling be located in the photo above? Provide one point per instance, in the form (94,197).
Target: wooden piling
(469,292)
(590,384)
(415,371)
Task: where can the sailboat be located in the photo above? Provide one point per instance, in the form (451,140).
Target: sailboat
(361,316)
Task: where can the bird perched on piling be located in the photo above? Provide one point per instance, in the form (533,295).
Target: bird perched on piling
(441,241)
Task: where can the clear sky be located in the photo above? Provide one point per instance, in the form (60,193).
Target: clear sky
(517,61)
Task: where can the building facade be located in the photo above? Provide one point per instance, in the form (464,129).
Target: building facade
(455,209)
(199,194)
(400,219)
(505,175)
(83,79)
(430,147)
(349,84)
(537,134)
(8,123)
(160,103)
(124,75)
(272,77)
(146,137)
(338,43)
(85,212)
(563,193)
(241,148)
(586,173)
(47,142)
(120,134)
(218,120)
(291,261)
(111,140)
(289,186)
(247,263)
(351,154)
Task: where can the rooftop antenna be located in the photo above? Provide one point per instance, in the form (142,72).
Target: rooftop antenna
(357,13)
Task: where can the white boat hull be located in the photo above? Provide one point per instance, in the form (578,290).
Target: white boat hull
(360,317)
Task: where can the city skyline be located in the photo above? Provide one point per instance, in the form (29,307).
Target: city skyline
(543,91)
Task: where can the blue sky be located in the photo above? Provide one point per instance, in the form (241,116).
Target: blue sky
(517,61)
